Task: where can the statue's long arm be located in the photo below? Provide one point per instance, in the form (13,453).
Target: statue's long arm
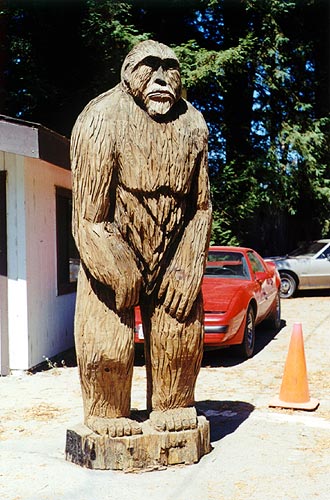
(100,244)
(182,280)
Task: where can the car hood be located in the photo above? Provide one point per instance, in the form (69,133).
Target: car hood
(218,294)
(277,258)
(287,257)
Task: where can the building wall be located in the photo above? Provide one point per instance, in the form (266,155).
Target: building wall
(16,255)
(39,321)
(50,316)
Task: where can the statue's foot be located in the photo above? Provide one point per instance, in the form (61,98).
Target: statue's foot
(177,419)
(114,427)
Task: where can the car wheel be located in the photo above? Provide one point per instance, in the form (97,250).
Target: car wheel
(274,318)
(288,285)
(246,348)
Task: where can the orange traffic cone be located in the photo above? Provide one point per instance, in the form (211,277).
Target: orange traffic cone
(294,391)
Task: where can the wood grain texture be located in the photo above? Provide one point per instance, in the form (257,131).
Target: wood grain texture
(151,450)
(141,222)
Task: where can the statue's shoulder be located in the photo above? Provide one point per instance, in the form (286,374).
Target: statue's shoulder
(195,117)
(102,116)
(104,104)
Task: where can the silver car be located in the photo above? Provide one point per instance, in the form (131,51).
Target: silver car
(306,268)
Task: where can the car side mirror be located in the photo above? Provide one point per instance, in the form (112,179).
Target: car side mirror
(261,276)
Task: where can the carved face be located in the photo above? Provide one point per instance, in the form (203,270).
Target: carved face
(151,73)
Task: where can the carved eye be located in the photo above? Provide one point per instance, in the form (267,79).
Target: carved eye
(152,62)
(170,64)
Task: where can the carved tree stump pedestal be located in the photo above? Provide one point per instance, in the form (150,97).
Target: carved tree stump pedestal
(146,451)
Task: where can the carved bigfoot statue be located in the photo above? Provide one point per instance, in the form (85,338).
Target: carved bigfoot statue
(141,223)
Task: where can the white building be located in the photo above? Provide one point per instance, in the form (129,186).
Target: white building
(37,289)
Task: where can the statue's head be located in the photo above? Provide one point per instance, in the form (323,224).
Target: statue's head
(151,74)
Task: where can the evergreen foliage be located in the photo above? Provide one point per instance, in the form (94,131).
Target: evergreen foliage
(257,69)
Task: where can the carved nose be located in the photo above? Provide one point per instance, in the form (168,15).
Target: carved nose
(160,76)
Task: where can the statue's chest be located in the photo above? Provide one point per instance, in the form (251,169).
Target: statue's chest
(155,156)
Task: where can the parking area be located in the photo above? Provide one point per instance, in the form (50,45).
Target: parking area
(259,453)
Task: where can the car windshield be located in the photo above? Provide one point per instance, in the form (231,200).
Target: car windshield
(307,249)
(222,264)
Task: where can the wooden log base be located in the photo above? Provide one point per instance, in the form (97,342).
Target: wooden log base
(150,450)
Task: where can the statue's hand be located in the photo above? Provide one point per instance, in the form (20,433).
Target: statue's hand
(178,291)
(127,284)
(183,278)
(111,261)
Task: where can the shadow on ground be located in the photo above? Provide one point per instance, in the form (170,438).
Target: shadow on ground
(324,292)
(66,359)
(224,416)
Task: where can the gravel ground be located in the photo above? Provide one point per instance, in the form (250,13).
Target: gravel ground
(258,453)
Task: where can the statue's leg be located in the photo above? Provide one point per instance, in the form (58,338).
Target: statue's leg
(105,355)
(174,352)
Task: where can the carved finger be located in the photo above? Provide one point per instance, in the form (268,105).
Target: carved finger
(163,289)
(132,296)
(120,303)
(128,297)
(176,300)
(135,294)
(184,309)
(168,298)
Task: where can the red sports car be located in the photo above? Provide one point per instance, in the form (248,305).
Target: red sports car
(240,290)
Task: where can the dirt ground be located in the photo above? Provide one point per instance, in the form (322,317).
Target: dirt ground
(259,453)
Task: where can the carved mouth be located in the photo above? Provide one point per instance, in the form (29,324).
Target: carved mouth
(160,95)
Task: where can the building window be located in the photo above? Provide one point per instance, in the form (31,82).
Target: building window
(3,224)
(67,253)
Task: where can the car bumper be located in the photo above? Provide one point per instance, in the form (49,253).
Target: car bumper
(216,333)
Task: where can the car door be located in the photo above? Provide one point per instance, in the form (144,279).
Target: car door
(319,270)
(267,286)
(262,287)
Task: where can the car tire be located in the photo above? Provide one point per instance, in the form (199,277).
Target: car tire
(288,285)
(274,319)
(246,349)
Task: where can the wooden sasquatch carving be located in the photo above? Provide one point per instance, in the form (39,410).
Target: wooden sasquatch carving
(141,222)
